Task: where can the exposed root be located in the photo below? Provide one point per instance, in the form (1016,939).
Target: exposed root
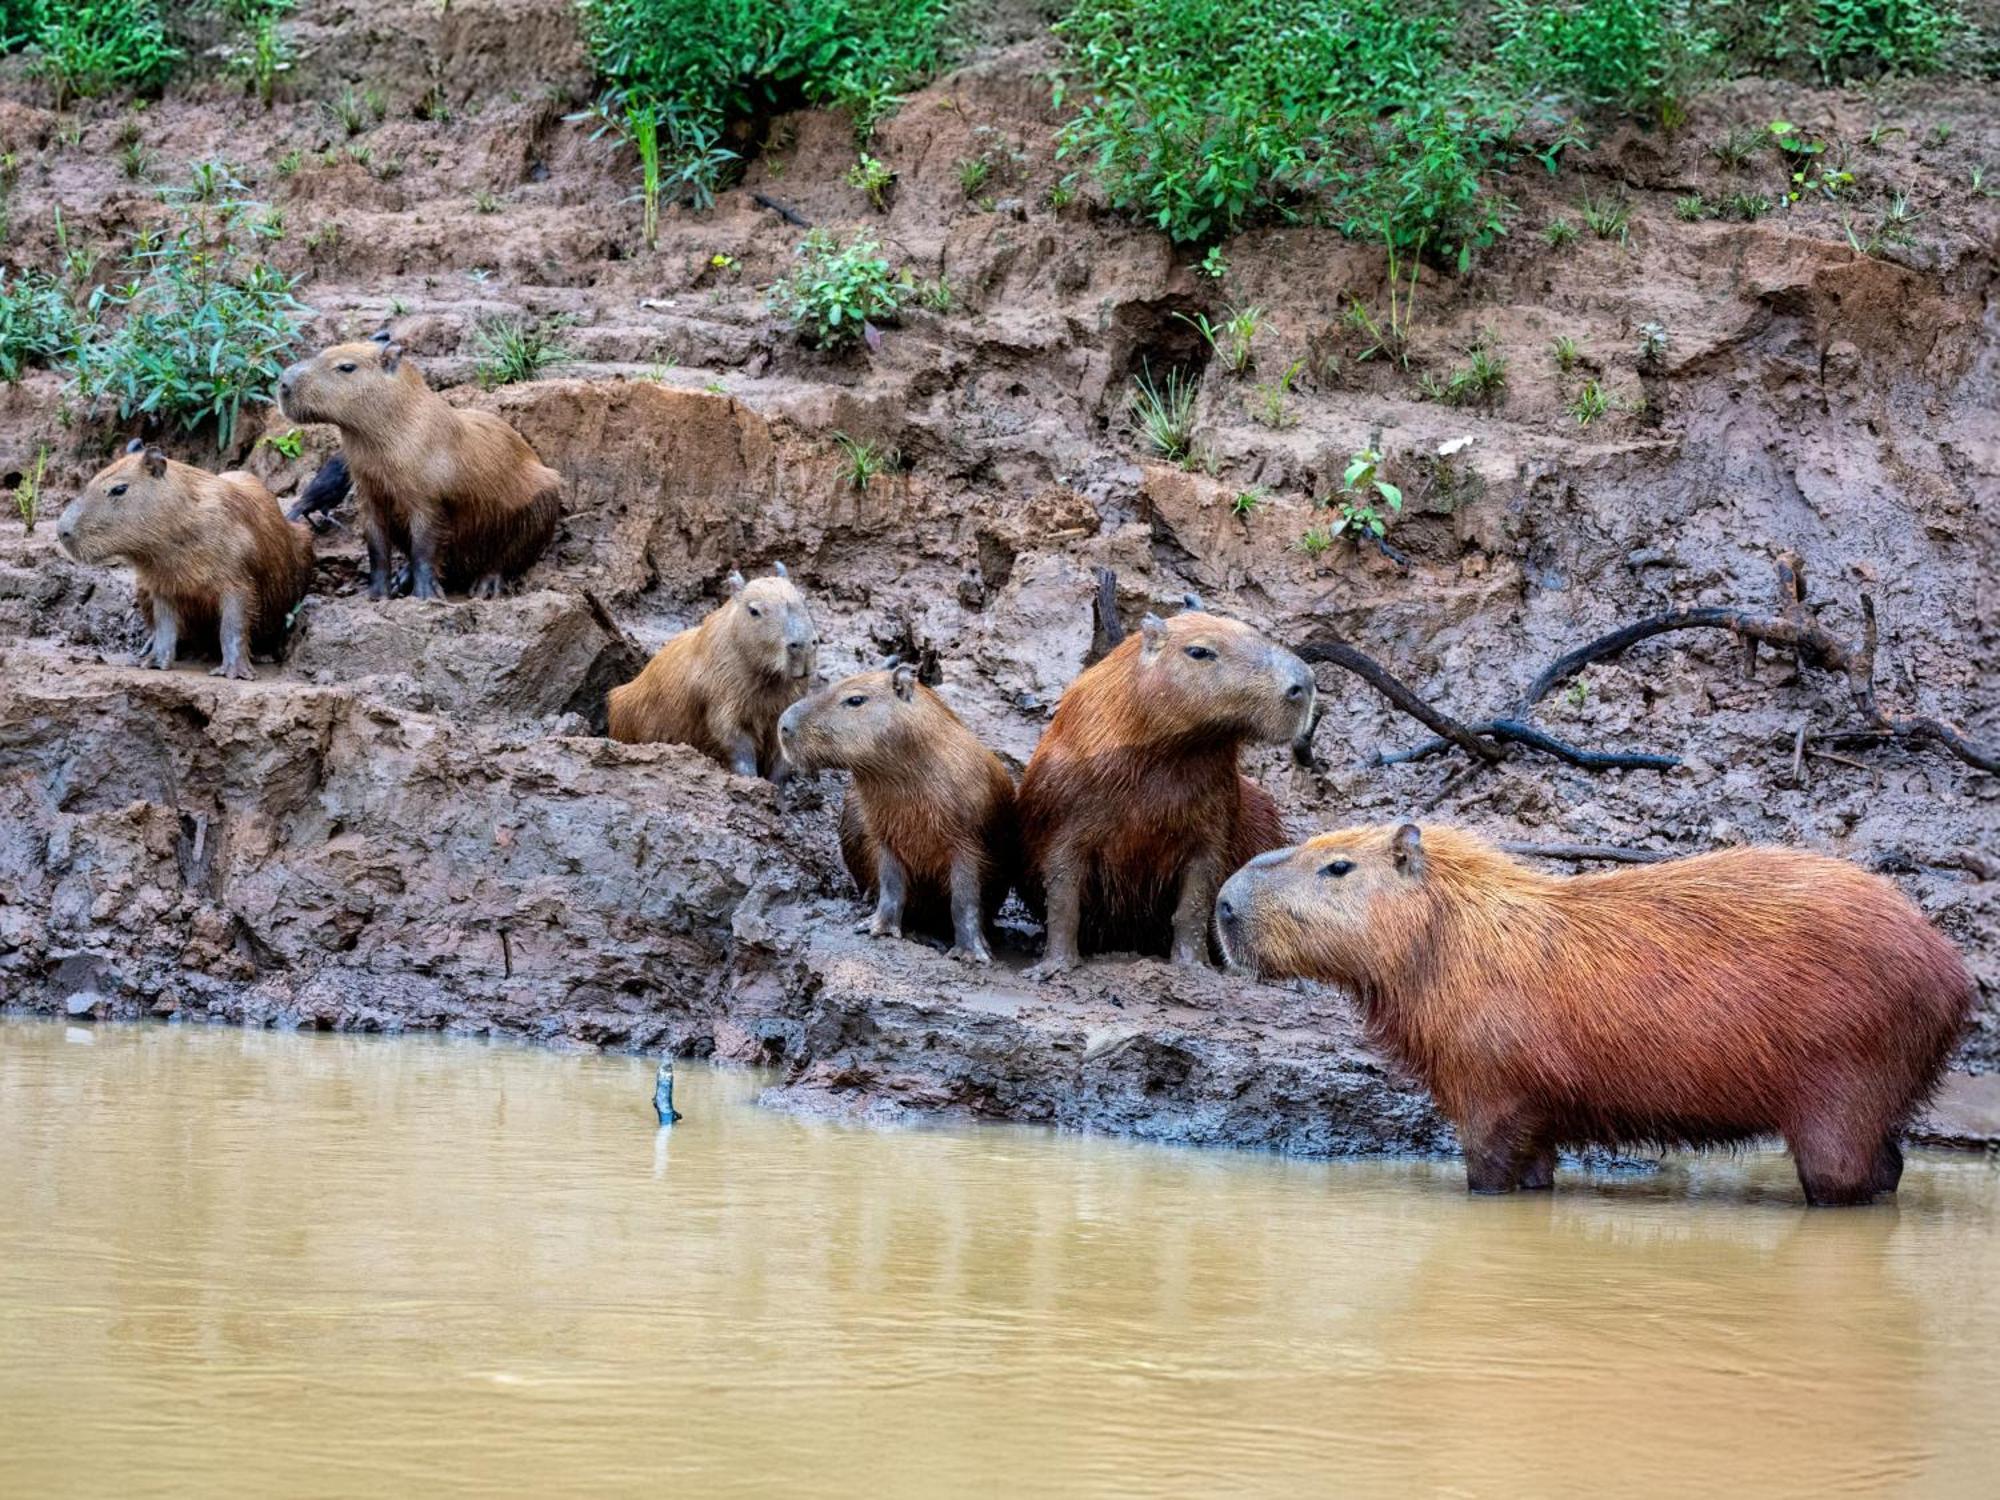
(788,214)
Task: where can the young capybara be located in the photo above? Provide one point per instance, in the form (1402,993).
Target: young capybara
(1133,808)
(927,828)
(721,685)
(460,493)
(219,568)
(1698,1002)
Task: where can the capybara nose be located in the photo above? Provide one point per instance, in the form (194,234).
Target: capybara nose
(1295,692)
(1225,910)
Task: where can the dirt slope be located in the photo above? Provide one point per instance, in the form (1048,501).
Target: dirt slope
(411,822)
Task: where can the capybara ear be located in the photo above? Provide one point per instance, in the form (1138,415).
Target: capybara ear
(904,681)
(1408,850)
(734,582)
(392,356)
(1191,601)
(382,336)
(137,445)
(155,462)
(1153,633)
(780,569)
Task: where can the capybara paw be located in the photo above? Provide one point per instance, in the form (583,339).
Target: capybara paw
(487,587)
(241,671)
(153,661)
(980,955)
(378,592)
(1049,968)
(878,927)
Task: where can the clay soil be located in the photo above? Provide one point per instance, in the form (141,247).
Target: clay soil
(414,820)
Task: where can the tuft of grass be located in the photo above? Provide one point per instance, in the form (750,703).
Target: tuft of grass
(1736,146)
(1269,402)
(510,350)
(1315,541)
(1230,339)
(1247,501)
(1566,353)
(1691,208)
(1480,379)
(28,494)
(973,173)
(1589,403)
(485,201)
(1559,232)
(1608,217)
(1164,411)
(89,48)
(864,460)
(1747,206)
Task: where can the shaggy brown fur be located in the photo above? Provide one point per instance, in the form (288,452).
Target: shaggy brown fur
(1132,808)
(459,492)
(721,685)
(928,824)
(219,567)
(1703,1001)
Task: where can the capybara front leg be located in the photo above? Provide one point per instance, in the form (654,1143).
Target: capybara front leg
(376,535)
(1062,900)
(1196,909)
(1888,1164)
(891,882)
(159,652)
(1837,1163)
(423,559)
(487,587)
(968,916)
(234,628)
(1501,1152)
(1539,1174)
(740,751)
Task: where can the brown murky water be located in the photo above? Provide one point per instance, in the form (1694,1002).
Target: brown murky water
(240,1264)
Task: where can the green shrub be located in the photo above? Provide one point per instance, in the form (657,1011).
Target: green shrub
(37,323)
(204,325)
(1640,55)
(1840,39)
(838,293)
(92,47)
(716,58)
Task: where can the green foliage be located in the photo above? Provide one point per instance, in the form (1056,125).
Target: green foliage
(1652,344)
(266,51)
(1747,206)
(1164,412)
(1246,502)
(1736,145)
(873,178)
(678,154)
(1643,56)
(1840,40)
(203,326)
(1268,400)
(508,350)
(290,443)
(1565,352)
(1230,339)
(28,494)
(1589,403)
(864,460)
(1609,218)
(1559,232)
(37,322)
(91,47)
(838,293)
(1691,208)
(1480,379)
(712,59)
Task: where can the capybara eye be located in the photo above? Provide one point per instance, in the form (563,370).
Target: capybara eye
(1337,869)
(755,612)
(1200,653)
(116,489)
(346,367)
(855,700)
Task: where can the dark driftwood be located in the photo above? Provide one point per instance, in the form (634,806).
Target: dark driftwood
(789,215)
(1795,628)
(1105,630)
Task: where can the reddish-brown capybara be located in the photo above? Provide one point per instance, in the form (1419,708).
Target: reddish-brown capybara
(459,492)
(721,685)
(1133,808)
(927,827)
(219,568)
(1698,1002)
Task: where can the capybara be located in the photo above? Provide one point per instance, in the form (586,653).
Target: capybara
(219,568)
(927,827)
(459,492)
(1697,1002)
(721,685)
(1133,808)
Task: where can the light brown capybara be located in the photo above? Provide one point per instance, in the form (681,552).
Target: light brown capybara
(927,827)
(459,492)
(1698,1002)
(721,685)
(1133,808)
(219,568)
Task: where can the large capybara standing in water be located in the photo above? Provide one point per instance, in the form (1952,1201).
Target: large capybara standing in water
(721,685)
(1133,808)
(219,568)
(459,492)
(927,828)
(1700,1002)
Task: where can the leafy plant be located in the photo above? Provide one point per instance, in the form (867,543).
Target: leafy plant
(267,54)
(1315,541)
(509,350)
(1230,339)
(290,443)
(1691,208)
(135,160)
(1652,344)
(92,47)
(1641,55)
(1747,206)
(1736,146)
(28,494)
(1215,265)
(1609,217)
(1247,501)
(1589,403)
(839,293)
(678,154)
(864,460)
(37,322)
(1164,411)
(1267,403)
(1362,486)
(973,171)
(872,177)
(1566,353)
(1481,378)
(1559,232)
(1390,334)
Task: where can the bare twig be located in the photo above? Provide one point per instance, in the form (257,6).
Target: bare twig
(1579,853)
(789,215)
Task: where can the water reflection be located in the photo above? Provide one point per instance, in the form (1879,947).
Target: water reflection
(247,1263)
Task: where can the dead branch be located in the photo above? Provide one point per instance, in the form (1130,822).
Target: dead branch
(1794,628)
(1514,731)
(789,215)
(1579,853)
(1105,630)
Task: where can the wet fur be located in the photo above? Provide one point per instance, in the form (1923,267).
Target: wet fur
(413,458)
(711,684)
(1702,1002)
(191,537)
(1142,779)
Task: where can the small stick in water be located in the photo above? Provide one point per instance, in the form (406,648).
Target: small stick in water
(663,1092)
